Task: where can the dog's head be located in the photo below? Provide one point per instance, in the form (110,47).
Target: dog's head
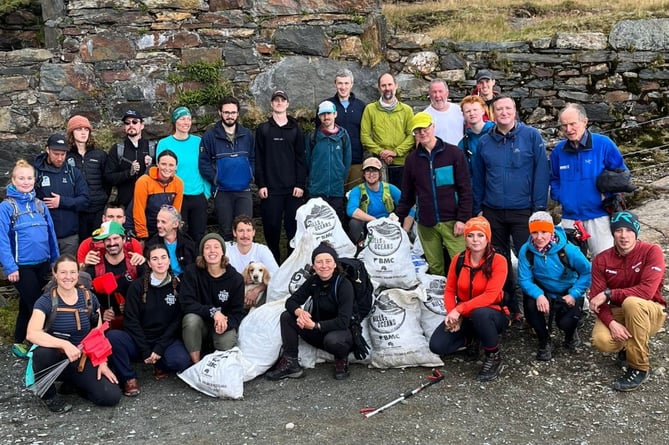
(256,273)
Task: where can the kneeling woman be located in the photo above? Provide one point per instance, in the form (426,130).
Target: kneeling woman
(152,324)
(473,301)
(59,340)
(326,324)
(554,276)
(212,299)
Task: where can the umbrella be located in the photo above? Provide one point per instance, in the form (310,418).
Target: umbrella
(45,378)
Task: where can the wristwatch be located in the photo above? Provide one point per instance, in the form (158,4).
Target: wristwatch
(607,293)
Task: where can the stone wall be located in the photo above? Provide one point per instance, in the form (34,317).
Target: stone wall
(100,57)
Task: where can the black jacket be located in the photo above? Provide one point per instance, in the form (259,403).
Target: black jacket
(186,250)
(117,171)
(92,165)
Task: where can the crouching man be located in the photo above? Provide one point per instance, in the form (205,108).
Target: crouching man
(626,296)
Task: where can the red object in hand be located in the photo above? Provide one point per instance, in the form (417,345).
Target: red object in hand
(96,346)
(105,284)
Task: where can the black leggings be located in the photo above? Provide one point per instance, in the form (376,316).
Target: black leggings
(32,279)
(101,392)
(566,318)
(485,324)
(337,343)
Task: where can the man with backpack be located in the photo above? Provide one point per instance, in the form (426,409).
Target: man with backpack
(553,275)
(113,275)
(328,157)
(130,158)
(64,191)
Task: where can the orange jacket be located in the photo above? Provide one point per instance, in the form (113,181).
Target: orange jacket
(482,292)
(151,194)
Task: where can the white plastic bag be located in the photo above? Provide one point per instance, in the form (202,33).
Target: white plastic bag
(387,256)
(432,310)
(319,219)
(293,272)
(260,337)
(219,374)
(396,333)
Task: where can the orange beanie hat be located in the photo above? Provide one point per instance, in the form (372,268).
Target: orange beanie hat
(478,223)
(78,121)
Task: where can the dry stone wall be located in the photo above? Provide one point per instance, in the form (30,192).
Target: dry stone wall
(100,57)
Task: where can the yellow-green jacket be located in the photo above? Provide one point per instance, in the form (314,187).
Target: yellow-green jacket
(387,130)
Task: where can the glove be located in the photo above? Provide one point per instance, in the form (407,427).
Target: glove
(360,347)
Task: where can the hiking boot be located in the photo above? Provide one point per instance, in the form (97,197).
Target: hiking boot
(131,388)
(518,322)
(545,352)
(20,350)
(57,405)
(572,343)
(631,380)
(287,368)
(492,367)
(341,369)
(621,359)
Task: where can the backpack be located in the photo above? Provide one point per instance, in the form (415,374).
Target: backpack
(16,213)
(460,263)
(120,149)
(93,315)
(130,269)
(562,255)
(363,290)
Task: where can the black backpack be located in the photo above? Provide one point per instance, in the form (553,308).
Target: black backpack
(356,273)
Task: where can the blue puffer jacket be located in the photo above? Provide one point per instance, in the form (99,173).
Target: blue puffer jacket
(548,276)
(227,166)
(32,239)
(511,171)
(574,175)
(69,183)
(328,162)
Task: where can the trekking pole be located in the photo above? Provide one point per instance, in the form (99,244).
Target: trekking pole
(435,377)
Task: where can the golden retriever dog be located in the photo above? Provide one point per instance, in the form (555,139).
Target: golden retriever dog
(255,275)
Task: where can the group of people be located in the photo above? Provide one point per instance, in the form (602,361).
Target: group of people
(471,176)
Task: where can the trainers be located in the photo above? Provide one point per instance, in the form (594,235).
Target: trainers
(621,359)
(20,350)
(631,380)
(545,352)
(492,367)
(287,368)
(341,369)
(572,343)
(57,405)
(131,388)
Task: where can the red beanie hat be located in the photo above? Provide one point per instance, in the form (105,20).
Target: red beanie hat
(479,223)
(78,122)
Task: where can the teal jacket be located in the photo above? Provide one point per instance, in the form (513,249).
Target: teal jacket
(328,160)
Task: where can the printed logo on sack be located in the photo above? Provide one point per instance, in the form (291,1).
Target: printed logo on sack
(321,220)
(435,296)
(385,238)
(298,278)
(386,316)
(170,299)
(223,296)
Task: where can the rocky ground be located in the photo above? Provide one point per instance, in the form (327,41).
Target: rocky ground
(567,400)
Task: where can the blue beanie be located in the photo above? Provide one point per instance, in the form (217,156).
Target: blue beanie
(180,112)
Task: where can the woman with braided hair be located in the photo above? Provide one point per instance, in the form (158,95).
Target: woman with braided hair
(152,324)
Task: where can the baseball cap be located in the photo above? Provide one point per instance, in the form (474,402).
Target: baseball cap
(279,93)
(326,107)
(107,229)
(372,162)
(421,120)
(132,113)
(484,74)
(56,142)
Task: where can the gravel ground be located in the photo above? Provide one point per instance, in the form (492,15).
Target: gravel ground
(567,400)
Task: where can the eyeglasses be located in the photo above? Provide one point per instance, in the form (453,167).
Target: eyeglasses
(229,113)
(132,122)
